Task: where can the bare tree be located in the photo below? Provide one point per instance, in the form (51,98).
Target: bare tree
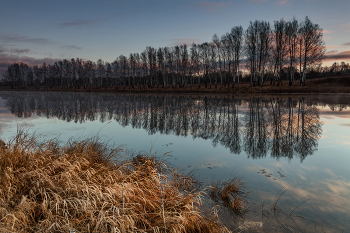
(161,65)
(264,47)
(292,40)
(169,57)
(184,63)
(218,45)
(100,72)
(205,60)
(237,36)
(280,49)
(145,70)
(312,45)
(251,46)
(195,63)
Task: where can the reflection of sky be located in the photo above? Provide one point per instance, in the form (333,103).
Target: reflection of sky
(323,177)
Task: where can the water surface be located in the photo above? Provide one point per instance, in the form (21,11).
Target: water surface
(296,142)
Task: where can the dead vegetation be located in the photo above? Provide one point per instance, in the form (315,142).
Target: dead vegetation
(231,193)
(86,186)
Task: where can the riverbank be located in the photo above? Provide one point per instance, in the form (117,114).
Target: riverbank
(87,186)
(313,86)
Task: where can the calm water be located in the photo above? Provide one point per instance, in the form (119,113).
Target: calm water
(297,142)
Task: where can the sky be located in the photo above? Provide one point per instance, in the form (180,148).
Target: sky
(44,30)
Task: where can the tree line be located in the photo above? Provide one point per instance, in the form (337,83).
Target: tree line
(261,53)
(281,127)
(336,69)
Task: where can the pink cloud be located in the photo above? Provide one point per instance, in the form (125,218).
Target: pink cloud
(331,51)
(6,60)
(326,31)
(347,44)
(332,47)
(213,6)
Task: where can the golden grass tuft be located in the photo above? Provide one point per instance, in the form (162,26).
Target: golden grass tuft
(232,195)
(86,186)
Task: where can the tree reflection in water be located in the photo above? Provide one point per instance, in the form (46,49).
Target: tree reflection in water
(283,127)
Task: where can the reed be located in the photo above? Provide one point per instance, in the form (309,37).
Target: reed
(87,186)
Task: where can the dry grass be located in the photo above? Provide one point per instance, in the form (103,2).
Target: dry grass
(86,186)
(232,195)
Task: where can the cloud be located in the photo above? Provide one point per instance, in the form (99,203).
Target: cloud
(2,49)
(258,1)
(23,39)
(326,32)
(79,22)
(14,50)
(345,55)
(336,21)
(331,51)
(19,51)
(282,2)
(6,60)
(333,197)
(213,6)
(71,47)
(347,44)
(332,46)
(187,41)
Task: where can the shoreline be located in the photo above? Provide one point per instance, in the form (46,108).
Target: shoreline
(334,85)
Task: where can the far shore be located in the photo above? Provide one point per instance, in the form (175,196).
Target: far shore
(331,85)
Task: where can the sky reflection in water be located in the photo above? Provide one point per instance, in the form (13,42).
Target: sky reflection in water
(303,142)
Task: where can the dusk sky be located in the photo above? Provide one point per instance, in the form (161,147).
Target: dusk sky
(38,31)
